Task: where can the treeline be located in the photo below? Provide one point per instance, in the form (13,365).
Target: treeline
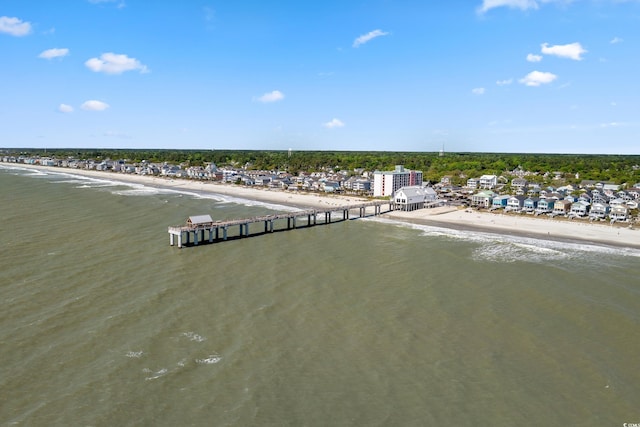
(619,169)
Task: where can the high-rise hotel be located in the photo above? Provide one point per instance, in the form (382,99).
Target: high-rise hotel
(388,182)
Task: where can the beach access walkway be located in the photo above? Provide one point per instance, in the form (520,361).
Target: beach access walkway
(196,227)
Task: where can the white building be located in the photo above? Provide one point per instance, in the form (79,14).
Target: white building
(388,182)
(412,198)
(488,181)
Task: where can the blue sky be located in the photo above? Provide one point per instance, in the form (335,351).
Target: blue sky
(553,76)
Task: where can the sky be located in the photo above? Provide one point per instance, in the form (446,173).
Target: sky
(525,76)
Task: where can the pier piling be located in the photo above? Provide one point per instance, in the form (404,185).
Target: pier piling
(205,223)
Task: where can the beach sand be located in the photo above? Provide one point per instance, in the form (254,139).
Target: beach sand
(577,230)
(543,227)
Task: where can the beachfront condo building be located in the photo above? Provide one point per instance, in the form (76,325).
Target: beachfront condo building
(388,182)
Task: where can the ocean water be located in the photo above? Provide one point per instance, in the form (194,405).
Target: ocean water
(366,322)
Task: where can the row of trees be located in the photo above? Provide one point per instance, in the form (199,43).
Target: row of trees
(613,168)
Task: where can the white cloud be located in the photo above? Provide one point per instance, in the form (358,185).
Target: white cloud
(571,50)
(611,125)
(478,91)
(335,123)
(513,4)
(504,82)
(112,63)
(14,26)
(272,96)
(64,108)
(368,37)
(516,4)
(120,5)
(616,40)
(534,58)
(93,105)
(537,78)
(54,53)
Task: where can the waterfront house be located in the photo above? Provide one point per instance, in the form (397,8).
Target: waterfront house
(530,204)
(545,206)
(500,202)
(128,168)
(282,183)
(599,210)
(562,207)
(483,199)
(515,203)
(619,213)
(263,180)
(172,171)
(579,208)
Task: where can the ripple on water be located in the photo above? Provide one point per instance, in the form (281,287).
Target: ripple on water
(155,375)
(134,354)
(193,336)
(209,360)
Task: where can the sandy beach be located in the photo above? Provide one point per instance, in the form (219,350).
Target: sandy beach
(620,235)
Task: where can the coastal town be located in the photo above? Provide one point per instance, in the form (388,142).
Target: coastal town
(510,192)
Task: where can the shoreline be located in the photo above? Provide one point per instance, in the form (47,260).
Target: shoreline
(575,231)
(536,228)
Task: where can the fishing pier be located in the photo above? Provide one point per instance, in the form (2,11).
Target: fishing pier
(202,229)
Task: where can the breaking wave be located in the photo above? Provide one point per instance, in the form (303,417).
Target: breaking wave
(496,247)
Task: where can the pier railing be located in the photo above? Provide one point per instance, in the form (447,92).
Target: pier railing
(196,232)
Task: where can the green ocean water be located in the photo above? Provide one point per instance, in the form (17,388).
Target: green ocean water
(365,322)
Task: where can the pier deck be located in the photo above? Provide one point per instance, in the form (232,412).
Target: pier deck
(196,231)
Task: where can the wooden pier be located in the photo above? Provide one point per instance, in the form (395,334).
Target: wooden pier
(202,229)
